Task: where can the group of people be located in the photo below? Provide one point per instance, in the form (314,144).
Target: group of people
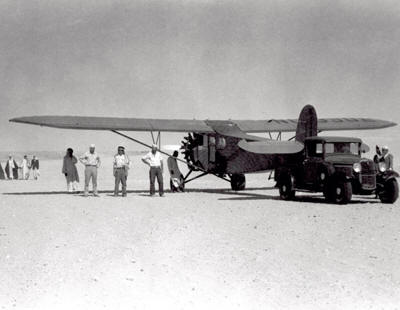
(121,164)
(22,170)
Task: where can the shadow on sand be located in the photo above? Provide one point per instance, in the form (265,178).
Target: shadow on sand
(246,195)
(144,192)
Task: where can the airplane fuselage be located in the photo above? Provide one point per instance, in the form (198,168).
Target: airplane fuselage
(221,155)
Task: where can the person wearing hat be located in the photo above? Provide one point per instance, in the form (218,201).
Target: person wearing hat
(154,160)
(121,167)
(387,158)
(91,160)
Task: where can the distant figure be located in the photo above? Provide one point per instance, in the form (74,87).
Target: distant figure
(176,177)
(155,161)
(2,175)
(70,171)
(11,168)
(25,168)
(387,158)
(120,169)
(35,167)
(92,162)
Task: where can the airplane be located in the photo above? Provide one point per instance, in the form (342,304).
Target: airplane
(224,148)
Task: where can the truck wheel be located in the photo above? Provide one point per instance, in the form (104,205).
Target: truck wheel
(286,190)
(390,191)
(238,182)
(341,192)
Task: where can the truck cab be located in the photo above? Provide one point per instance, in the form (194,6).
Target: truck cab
(335,167)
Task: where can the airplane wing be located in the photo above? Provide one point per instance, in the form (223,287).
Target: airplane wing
(324,124)
(232,127)
(116,123)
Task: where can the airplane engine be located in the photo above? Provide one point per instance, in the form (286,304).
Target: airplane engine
(189,150)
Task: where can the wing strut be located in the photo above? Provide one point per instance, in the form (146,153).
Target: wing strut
(169,155)
(157,140)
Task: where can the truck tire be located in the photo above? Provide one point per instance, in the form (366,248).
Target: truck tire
(341,192)
(286,190)
(390,191)
(238,182)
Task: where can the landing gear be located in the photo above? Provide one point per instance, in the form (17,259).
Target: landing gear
(390,191)
(238,182)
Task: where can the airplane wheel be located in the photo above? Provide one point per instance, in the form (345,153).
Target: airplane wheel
(286,190)
(238,182)
(341,192)
(390,191)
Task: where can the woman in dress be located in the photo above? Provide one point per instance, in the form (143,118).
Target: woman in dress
(70,171)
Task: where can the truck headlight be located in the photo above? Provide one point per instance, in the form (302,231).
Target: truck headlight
(357,167)
(382,167)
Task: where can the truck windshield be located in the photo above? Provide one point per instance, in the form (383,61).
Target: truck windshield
(342,148)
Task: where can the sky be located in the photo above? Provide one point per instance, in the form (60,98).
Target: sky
(193,59)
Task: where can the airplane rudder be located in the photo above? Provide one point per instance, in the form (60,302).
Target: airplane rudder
(307,125)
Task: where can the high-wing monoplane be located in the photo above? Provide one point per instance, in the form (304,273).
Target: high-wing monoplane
(225,148)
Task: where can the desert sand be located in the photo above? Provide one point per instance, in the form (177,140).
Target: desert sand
(207,248)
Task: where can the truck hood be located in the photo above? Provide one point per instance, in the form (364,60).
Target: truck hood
(342,159)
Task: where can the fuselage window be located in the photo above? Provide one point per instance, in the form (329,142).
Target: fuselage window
(221,143)
(211,140)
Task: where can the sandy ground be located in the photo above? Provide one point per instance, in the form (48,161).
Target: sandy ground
(208,248)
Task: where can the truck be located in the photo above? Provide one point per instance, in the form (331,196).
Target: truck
(335,167)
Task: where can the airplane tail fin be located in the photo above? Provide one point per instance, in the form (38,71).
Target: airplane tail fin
(307,125)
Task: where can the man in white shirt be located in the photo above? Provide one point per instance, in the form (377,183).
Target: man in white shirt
(91,160)
(155,161)
(121,166)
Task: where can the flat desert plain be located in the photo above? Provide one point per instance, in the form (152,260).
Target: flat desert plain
(207,248)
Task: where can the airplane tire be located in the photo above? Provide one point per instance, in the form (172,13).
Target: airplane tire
(341,192)
(390,191)
(286,190)
(238,182)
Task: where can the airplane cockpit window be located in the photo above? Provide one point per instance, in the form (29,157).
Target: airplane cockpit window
(221,143)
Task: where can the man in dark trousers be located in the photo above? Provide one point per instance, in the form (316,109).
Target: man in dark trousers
(121,166)
(35,167)
(155,161)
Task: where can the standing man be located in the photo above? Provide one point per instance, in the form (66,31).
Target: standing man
(92,162)
(35,167)
(387,158)
(121,167)
(155,161)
